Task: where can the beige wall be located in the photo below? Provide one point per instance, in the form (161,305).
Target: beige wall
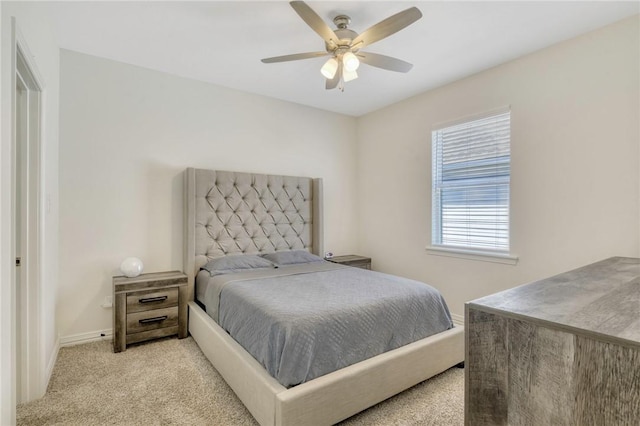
(575,160)
(36,32)
(127,134)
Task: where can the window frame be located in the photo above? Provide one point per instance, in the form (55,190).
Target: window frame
(470,253)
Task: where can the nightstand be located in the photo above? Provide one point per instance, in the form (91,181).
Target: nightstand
(149,306)
(352,260)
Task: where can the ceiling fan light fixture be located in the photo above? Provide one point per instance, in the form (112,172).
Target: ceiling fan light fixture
(348,75)
(330,68)
(342,44)
(350,62)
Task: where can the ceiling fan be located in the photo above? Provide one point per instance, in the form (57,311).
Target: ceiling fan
(344,45)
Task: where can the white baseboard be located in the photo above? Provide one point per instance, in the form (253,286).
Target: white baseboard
(92,336)
(458,319)
(50,365)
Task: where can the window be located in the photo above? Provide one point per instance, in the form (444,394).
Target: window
(471,173)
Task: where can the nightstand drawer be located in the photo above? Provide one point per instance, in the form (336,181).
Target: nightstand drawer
(150,320)
(352,260)
(362,264)
(154,299)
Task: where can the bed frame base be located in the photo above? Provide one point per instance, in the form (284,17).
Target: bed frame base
(332,397)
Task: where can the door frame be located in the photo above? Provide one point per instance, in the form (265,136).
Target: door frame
(27,338)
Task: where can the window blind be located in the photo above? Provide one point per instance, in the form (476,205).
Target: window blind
(471,174)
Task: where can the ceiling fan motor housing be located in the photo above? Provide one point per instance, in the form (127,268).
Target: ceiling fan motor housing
(344,34)
(345,37)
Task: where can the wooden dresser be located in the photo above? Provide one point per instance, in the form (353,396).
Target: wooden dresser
(149,306)
(560,351)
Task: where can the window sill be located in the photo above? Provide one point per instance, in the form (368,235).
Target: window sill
(483,256)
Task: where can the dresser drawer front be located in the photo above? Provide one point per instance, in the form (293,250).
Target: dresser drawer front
(151,320)
(153,299)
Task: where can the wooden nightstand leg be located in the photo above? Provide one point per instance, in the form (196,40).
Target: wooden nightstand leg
(183,320)
(120,323)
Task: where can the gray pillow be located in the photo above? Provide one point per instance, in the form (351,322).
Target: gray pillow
(292,257)
(236,263)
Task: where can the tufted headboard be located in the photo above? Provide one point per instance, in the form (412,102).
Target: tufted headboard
(234,213)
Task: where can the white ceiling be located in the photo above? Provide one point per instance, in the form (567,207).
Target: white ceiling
(223,42)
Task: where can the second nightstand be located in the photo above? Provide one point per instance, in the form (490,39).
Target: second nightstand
(149,306)
(352,260)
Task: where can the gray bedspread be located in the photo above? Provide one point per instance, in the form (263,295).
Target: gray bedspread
(301,322)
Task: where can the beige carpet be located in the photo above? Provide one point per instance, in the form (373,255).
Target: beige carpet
(170,382)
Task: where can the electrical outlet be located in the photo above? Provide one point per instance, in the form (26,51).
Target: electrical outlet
(108,302)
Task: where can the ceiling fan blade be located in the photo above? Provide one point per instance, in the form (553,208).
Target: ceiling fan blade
(294,57)
(333,83)
(314,21)
(385,28)
(384,62)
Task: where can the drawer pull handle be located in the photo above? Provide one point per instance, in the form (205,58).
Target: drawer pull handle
(153,299)
(151,320)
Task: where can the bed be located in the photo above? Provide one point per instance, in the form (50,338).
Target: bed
(229,214)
